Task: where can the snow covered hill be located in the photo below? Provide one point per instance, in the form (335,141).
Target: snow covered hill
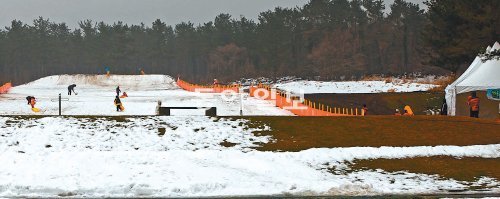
(310,87)
(97,92)
(131,82)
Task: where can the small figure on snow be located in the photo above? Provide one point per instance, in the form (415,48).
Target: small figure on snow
(71,88)
(118,104)
(124,95)
(108,72)
(32,102)
(216,82)
(118,91)
(29,99)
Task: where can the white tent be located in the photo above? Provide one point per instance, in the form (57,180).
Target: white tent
(480,76)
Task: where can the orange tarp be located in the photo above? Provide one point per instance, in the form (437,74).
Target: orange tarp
(5,88)
(305,108)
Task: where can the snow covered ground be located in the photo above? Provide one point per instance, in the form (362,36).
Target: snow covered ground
(102,157)
(96,94)
(309,87)
(185,156)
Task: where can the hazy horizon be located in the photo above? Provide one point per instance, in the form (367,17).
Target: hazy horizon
(138,11)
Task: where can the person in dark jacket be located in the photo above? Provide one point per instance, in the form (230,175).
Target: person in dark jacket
(118,103)
(118,91)
(444,108)
(71,88)
(29,99)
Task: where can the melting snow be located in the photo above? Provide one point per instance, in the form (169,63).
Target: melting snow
(308,87)
(83,157)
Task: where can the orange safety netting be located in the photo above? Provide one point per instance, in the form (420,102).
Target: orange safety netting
(5,88)
(207,89)
(305,108)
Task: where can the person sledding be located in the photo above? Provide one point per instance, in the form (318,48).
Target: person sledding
(124,95)
(71,89)
(29,99)
(32,102)
(118,104)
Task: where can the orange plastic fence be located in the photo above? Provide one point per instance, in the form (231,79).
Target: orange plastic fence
(306,108)
(207,89)
(5,88)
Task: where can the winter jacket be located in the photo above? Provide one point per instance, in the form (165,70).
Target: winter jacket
(473,103)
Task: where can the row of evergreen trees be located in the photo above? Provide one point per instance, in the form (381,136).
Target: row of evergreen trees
(326,38)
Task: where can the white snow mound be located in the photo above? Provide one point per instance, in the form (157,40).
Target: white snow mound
(129,81)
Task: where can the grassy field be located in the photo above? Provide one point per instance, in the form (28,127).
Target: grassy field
(300,133)
(383,103)
(464,169)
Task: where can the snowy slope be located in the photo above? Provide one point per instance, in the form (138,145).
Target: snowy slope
(102,157)
(308,87)
(96,94)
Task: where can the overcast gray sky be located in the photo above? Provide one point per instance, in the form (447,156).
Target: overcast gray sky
(136,11)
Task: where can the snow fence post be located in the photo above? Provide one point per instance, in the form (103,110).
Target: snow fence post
(59,104)
(240,90)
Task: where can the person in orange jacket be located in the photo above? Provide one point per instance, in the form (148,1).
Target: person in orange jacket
(408,111)
(473,102)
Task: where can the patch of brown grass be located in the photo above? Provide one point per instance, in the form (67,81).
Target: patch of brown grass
(442,83)
(463,169)
(301,133)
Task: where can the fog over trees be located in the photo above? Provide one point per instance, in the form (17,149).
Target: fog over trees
(325,38)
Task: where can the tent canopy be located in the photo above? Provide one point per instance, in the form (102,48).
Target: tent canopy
(487,76)
(479,76)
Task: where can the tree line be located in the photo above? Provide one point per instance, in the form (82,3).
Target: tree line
(329,39)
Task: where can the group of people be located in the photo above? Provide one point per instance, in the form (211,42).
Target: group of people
(118,102)
(71,90)
(472,101)
(407,111)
